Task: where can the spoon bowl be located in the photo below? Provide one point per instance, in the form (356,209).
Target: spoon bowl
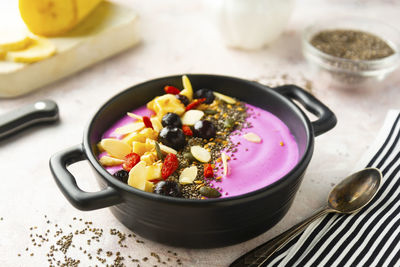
(355,191)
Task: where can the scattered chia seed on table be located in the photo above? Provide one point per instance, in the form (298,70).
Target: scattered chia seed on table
(58,246)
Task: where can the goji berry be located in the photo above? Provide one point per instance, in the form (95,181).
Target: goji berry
(171,90)
(195,103)
(208,171)
(186,130)
(130,161)
(170,165)
(154,181)
(147,122)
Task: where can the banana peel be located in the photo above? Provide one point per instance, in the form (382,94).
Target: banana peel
(54,17)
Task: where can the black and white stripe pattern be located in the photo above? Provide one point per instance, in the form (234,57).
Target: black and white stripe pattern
(370,237)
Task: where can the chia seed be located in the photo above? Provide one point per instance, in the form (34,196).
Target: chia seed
(237,113)
(62,245)
(350,44)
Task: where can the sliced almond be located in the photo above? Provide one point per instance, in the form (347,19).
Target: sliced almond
(185,180)
(115,148)
(165,149)
(192,116)
(201,154)
(188,175)
(110,161)
(130,128)
(224,158)
(100,148)
(225,98)
(155,121)
(252,137)
(134,116)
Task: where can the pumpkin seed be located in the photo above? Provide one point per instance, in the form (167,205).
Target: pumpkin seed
(209,192)
(229,123)
(210,112)
(158,151)
(188,156)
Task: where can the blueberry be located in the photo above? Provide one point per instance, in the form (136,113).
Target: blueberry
(122,175)
(171,119)
(172,137)
(184,100)
(205,93)
(204,129)
(168,188)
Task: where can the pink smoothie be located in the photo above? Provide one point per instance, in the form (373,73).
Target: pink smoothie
(254,165)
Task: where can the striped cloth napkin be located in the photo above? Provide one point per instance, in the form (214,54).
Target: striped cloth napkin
(370,237)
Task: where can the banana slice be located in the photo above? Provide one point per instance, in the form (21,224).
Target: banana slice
(2,54)
(14,40)
(188,90)
(38,50)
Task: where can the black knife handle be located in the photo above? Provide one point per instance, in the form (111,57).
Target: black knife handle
(38,112)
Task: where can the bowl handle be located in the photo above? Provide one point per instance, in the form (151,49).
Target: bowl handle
(66,182)
(326,119)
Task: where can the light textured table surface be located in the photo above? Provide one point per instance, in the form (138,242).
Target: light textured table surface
(178,37)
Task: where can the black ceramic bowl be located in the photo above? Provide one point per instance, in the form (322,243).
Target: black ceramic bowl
(195,223)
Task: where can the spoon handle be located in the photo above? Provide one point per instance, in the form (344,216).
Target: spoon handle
(259,255)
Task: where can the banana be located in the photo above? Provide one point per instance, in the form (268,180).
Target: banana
(188,90)
(54,17)
(13,40)
(2,54)
(39,49)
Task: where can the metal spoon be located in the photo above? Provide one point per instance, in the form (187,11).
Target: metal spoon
(349,196)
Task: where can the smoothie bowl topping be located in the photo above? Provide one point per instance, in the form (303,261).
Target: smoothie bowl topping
(198,144)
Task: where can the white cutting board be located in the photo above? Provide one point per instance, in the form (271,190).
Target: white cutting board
(109,29)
